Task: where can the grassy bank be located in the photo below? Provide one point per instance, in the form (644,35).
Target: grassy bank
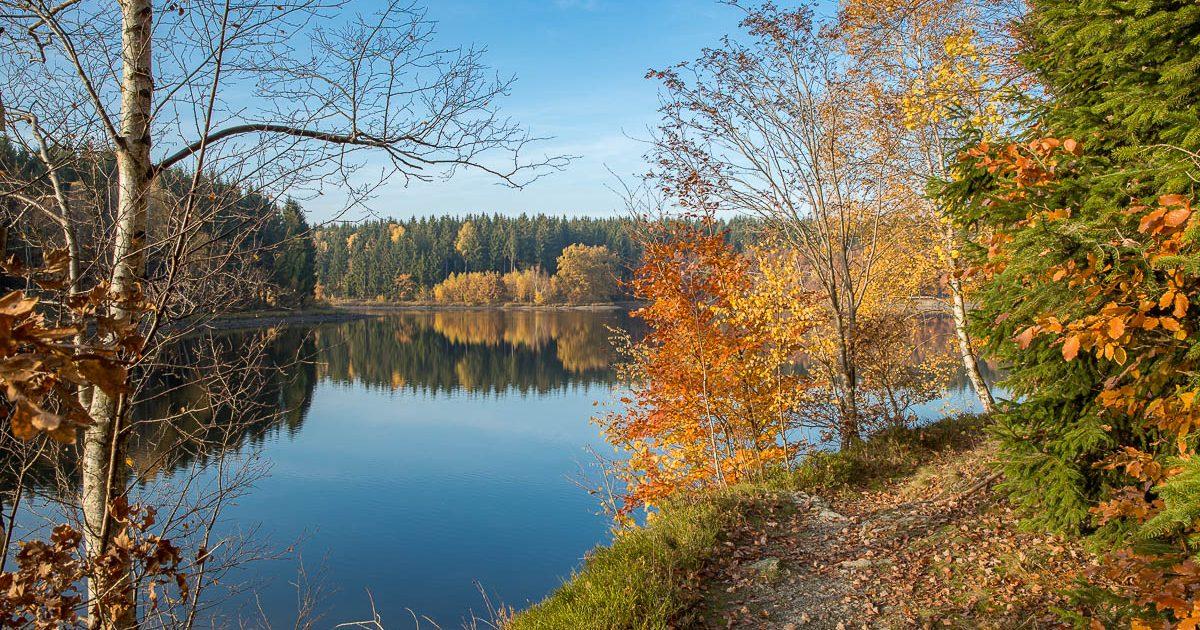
(639,581)
(645,578)
(883,458)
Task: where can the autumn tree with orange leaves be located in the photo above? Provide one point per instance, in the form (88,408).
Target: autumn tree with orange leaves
(712,389)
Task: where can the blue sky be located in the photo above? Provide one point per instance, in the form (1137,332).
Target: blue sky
(580,67)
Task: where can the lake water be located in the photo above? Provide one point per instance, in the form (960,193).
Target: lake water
(415,457)
(433,455)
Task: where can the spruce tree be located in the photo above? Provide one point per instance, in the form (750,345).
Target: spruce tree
(1121,80)
(295,260)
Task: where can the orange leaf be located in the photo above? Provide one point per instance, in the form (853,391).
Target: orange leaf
(1071,348)
(1026,337)
(1150,219)
(1172,200)
(1177,217)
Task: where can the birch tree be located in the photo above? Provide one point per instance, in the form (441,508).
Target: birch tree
(930,68)
(163,101)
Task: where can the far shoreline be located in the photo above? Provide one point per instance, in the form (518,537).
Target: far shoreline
(340,312)
(369,307)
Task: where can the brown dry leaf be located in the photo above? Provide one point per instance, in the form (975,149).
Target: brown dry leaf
(106,375)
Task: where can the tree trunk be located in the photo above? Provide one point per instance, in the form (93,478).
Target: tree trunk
(966,349)
(850,425)
(105,475)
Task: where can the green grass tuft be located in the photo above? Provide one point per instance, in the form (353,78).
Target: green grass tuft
(886,456)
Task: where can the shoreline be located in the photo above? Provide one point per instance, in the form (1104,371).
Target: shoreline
(367,307)
(263,319)
(348,312)
(842,539)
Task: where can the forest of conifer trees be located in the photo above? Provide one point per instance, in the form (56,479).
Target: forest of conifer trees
(393,259)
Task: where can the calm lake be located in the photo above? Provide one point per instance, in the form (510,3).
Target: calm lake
(413,459)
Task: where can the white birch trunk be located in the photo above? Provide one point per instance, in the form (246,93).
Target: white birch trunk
(105,474)
(958,309)
(966,349)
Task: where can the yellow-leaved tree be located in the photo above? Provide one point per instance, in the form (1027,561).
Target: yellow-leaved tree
(586,273)
(931,67)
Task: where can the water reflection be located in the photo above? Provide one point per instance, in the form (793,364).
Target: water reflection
(412,454)
(475,351)
(212,397)
(427,353)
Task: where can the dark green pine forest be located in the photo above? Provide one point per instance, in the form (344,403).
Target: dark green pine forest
(265,241)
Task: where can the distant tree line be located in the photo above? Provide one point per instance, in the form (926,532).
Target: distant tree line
(394,259)
(266,243)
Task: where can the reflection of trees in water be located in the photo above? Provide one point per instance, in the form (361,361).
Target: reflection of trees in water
(213,394)
(935,336)
(188,413)
(475,351)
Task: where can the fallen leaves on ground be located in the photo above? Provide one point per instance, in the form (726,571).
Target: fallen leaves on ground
(940,548)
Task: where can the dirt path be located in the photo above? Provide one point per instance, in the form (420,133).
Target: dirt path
(777,573)
(937,549)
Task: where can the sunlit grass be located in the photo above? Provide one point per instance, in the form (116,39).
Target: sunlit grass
(640,581)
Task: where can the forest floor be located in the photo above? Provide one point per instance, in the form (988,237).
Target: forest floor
(935,547)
